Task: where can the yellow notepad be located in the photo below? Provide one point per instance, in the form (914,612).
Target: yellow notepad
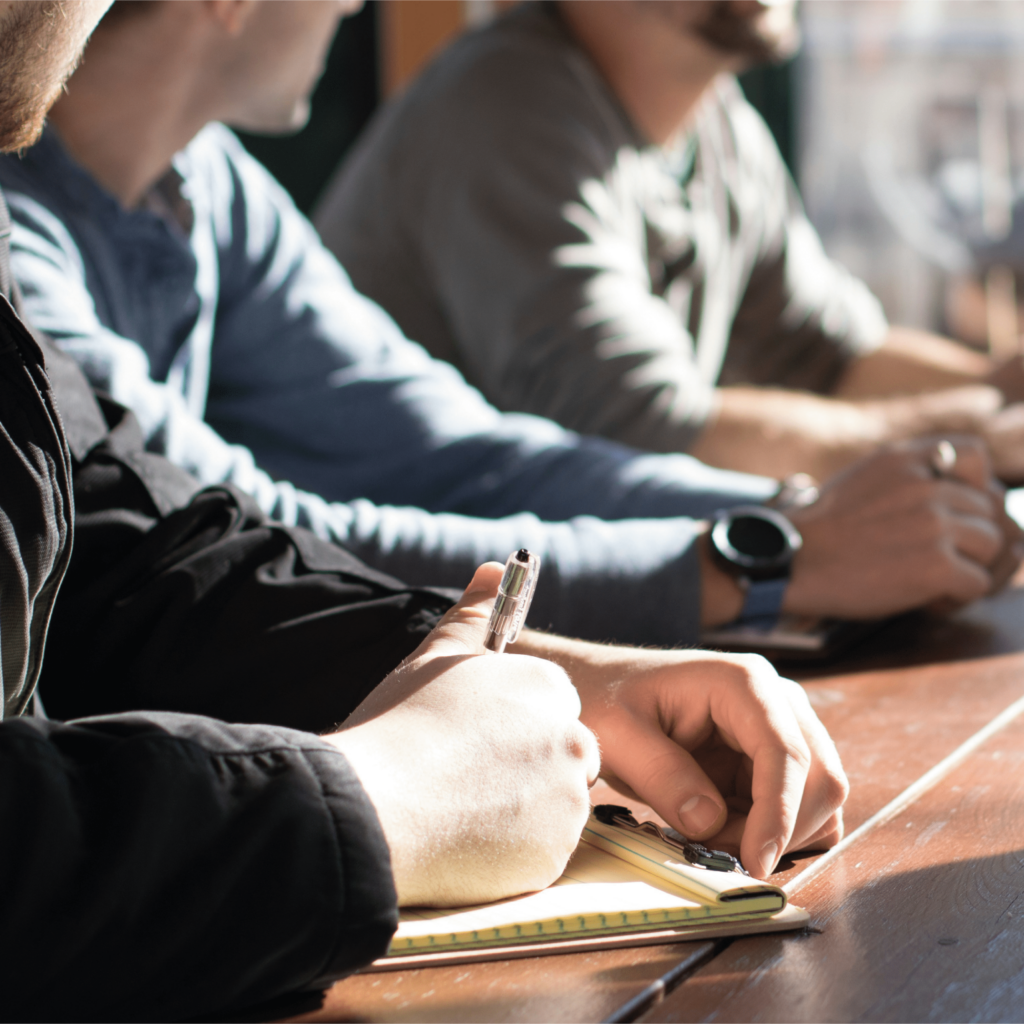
(616,884)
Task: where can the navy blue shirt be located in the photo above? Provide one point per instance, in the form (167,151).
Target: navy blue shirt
(216,315)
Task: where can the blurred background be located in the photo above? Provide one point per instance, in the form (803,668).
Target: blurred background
(901,120)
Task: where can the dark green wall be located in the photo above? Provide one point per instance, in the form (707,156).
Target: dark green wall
(348,93)
(772,90)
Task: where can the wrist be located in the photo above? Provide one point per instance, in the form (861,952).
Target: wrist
(721,594)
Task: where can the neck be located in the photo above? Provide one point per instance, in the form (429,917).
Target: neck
(133,103)
(658,73)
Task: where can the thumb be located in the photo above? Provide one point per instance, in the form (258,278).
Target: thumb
(463,628)
(665,776)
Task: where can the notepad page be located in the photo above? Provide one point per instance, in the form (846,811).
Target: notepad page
(597,894)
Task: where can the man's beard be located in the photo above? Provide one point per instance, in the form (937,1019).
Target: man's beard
(759,39)
(31,72)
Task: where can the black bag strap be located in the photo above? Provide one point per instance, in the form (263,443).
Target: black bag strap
(82,419)
(84,423)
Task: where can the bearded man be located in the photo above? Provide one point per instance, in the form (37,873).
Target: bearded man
(578,208)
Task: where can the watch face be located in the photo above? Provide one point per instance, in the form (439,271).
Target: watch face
(757,538)
(759,542)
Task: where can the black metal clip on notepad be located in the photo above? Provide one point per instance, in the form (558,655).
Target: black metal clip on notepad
(713,860)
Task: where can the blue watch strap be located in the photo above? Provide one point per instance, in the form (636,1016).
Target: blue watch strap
(763,602)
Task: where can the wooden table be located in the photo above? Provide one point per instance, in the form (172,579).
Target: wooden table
(918,916)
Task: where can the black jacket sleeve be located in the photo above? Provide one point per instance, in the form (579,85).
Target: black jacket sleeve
(164,866)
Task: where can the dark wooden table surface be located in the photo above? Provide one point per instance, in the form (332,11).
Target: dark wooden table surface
(918,916)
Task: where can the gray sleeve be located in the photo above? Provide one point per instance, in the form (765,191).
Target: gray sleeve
(528,249)
(803,318)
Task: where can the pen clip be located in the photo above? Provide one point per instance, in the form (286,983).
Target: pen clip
(695,853)
(515,593)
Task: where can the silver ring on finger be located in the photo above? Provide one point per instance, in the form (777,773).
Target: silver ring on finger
(943,460)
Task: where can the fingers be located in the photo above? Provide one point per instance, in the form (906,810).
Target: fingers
(582,744)
(797,783)
(973,465)
(1011,554)
(979,552)
(726,752)
(1005,567)
(826,837)
(1005,436)
(965,499)
(820,819)
(665,776)
(977,537)
(782,761)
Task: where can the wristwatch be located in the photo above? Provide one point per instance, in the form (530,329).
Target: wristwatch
(756,546)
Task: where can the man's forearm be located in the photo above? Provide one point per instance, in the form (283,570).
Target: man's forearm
(886,395)
(777,432)
(911,362)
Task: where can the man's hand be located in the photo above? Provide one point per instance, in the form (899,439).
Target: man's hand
(721,747)
(888,535)
(1009,378)
(476,763)
(1004,433)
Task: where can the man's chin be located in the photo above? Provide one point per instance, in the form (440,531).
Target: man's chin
(289,122)
(771,37)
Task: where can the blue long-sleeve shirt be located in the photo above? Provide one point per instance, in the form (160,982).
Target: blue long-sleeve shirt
(214,312)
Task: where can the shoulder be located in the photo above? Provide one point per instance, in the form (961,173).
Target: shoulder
(41,170)
(517,88)
(250,210)
(44,192)
(49,194)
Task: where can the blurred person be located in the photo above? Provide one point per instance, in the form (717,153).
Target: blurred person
(182,279)
(170,865)
(578,208)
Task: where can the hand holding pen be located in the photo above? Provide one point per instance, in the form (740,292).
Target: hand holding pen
(454,745)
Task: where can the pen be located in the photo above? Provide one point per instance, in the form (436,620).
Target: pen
(515,593)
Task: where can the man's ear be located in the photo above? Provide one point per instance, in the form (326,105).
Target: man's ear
(231,14)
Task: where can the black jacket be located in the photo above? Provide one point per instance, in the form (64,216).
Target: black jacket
(161,864)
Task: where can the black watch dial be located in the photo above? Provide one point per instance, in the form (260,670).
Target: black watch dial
(755,542)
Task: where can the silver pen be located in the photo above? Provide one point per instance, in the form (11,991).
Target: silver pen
(515,593)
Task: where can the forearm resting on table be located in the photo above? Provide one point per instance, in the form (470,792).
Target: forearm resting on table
(776,433)
(915,362)
(911,362)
